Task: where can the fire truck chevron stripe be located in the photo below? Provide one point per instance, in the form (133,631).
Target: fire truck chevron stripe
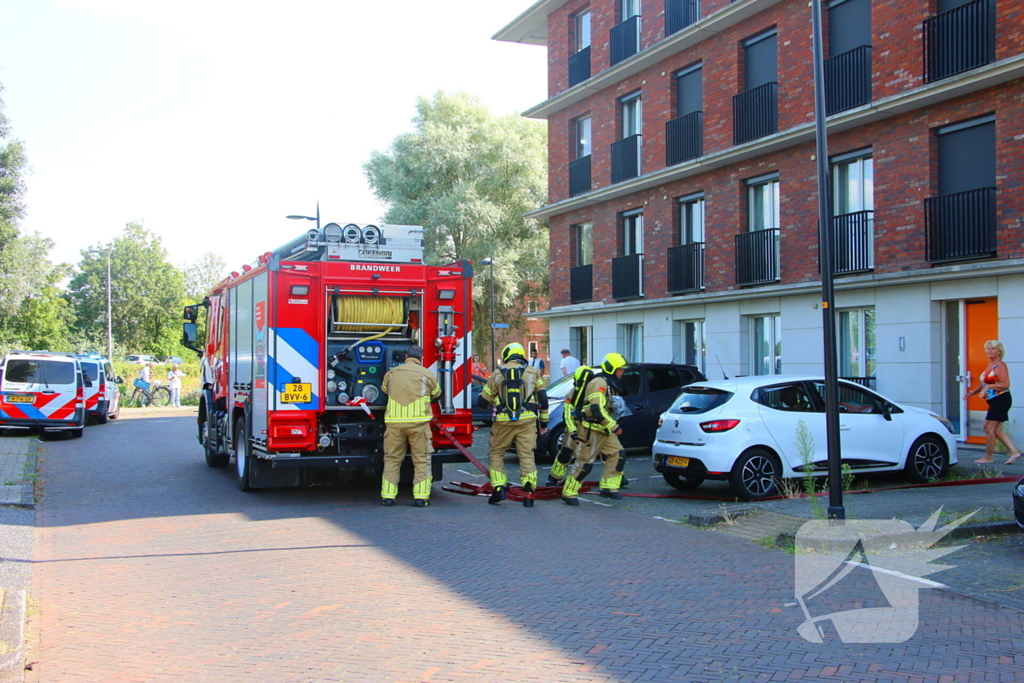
(293,353)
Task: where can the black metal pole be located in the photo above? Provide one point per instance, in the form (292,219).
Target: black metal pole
(494,361)
(836,510)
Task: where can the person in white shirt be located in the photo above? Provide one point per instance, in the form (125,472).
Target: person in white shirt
(174,376)
(568,364)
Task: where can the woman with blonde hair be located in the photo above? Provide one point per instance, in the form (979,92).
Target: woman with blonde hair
(995,383)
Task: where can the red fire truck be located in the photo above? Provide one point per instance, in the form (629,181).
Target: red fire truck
(297,345)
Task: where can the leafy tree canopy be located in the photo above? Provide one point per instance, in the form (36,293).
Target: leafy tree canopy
(203,275)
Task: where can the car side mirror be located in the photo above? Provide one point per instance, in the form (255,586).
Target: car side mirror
(887,411)
(119,380)
(88,384)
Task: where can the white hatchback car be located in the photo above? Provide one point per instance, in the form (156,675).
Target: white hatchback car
(745,431)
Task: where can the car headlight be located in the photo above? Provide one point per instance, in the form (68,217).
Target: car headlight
(946,423)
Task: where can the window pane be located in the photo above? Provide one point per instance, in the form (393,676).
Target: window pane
(663,379)
(583,137)
(762,347)
(777,339)
(582,31)
(764,205)
(631,117)
(691,221)
(869,341)
(791,398)
(584,244)
(629,384)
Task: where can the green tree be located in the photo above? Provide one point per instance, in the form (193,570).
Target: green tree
(147,294)
(203,275)
(468,176)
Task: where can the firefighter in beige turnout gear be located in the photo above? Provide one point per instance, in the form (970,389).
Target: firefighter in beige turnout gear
(602,432)
(517,391)
(571,441)
(411,388)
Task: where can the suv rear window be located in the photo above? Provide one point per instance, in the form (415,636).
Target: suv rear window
(90,371)
(40,371)
(696,400)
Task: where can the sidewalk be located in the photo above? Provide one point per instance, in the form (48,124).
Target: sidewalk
(17,524)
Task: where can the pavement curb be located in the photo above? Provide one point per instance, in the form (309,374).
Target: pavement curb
(12,636)
(28,489)
(788,539)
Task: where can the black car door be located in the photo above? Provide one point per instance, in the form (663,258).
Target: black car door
(631,389)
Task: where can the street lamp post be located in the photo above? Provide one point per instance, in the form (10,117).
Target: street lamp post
(110,331)
(308,218)
(489,261)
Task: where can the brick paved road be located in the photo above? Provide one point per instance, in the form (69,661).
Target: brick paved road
(151,567)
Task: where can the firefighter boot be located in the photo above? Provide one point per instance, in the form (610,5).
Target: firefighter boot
(611,493)
(571,491)
(388,491)
(528,489)
(387,502)
(421,502)
(559,467)
(497,496)
(500,482)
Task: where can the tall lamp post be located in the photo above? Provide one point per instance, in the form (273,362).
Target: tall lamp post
(308,218)
(110,330)
(489,261)
(836,511)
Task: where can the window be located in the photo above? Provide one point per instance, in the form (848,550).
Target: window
(854,180)
(579,344)
(533,347)
(967,155)
(582,142)
(856,346)
(630,9)
(583,244)
(849,25)
(632,115)
(690,90)
(853,399)
(691,219)
(582,30)
(763,199)
(632,233)
(40,371)
(760,58)
(766,345)
(631,342)
(531,307)
(665,379)
(690,343)
(788,397)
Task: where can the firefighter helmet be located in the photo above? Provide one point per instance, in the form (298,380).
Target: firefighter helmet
(512,350)
(612,362)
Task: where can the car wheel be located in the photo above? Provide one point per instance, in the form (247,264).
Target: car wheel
(117,411)
(927,460)
(677,481)
(103,417)
(756,475)
(213,458)
(243,458)
(555,438)
(77,433)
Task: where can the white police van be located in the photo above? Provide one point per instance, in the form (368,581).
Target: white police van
(42,390)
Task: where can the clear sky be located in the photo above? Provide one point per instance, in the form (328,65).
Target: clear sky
(211,120)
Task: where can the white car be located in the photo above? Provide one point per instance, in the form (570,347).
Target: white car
(746,431)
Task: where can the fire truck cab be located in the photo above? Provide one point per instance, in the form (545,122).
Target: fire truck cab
(297,345)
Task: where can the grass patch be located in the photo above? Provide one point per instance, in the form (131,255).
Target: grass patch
(959,474)
(991,514)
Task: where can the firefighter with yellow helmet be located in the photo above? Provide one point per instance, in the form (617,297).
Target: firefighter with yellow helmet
(603,430)
(517,392)
(574,438)
(411,388)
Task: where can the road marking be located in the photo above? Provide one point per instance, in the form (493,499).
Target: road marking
(670,521)
(594,502)
(893,572)
(470,474)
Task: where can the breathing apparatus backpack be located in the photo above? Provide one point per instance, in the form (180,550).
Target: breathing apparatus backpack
(512,387)
(580,381)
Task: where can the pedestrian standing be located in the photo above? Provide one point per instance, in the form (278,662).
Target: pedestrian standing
(174,376)
(536,361)
(517,391)
(569,364)
(995,383)
(411,388)
(602,432)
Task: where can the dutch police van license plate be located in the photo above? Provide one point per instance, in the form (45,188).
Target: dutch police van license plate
(297,393)
(20,399)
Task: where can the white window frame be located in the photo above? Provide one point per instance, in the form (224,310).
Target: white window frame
(631,341)
(581,343)
(690,343)
(583,128)
(633,232)
(766,328)
(763,196)
(632,115)
(583,30)
(691,218)
(583,244)
(630,9)
(853,180)
(855,355)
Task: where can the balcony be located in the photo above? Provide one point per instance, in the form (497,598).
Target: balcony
(581,284)
(624,40)
(868,382)
(628,277)
(679,14)
(686,268)
(853,242)
(626,158)
(684,138)
(579,66)
(961,226)
(848,80)
(755,113)
(960,39)
(757,257)
(579,176)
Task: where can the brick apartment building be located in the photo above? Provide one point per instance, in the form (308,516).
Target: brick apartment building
(683,186)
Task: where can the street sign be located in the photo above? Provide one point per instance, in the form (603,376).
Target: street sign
(499,325)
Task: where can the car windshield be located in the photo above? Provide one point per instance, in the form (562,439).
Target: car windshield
(559,388)
(40,371)
(696,400)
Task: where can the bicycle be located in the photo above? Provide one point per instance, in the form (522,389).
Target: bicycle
(147,393)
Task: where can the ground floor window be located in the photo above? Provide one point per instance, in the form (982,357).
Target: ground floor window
(631,342)
(690,343)
(580,344)
(856,346)
(766,345)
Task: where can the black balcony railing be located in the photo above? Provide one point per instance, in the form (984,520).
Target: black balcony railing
(624,40)
(757,257)
(961,225)
(960,39)
(686,268)
(579,176)
(684,138)
(626,158)
(848,80)
(868,382)
(679,14)
(628,276)
(579,66)
(755,113)
(581,283)
(853,242)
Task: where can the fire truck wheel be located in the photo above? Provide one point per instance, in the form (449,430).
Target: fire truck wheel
(213,458)
(243,458)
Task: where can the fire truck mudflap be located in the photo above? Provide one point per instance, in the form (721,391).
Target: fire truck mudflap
(298,343)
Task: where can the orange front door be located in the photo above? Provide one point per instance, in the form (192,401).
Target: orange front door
(981,323)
